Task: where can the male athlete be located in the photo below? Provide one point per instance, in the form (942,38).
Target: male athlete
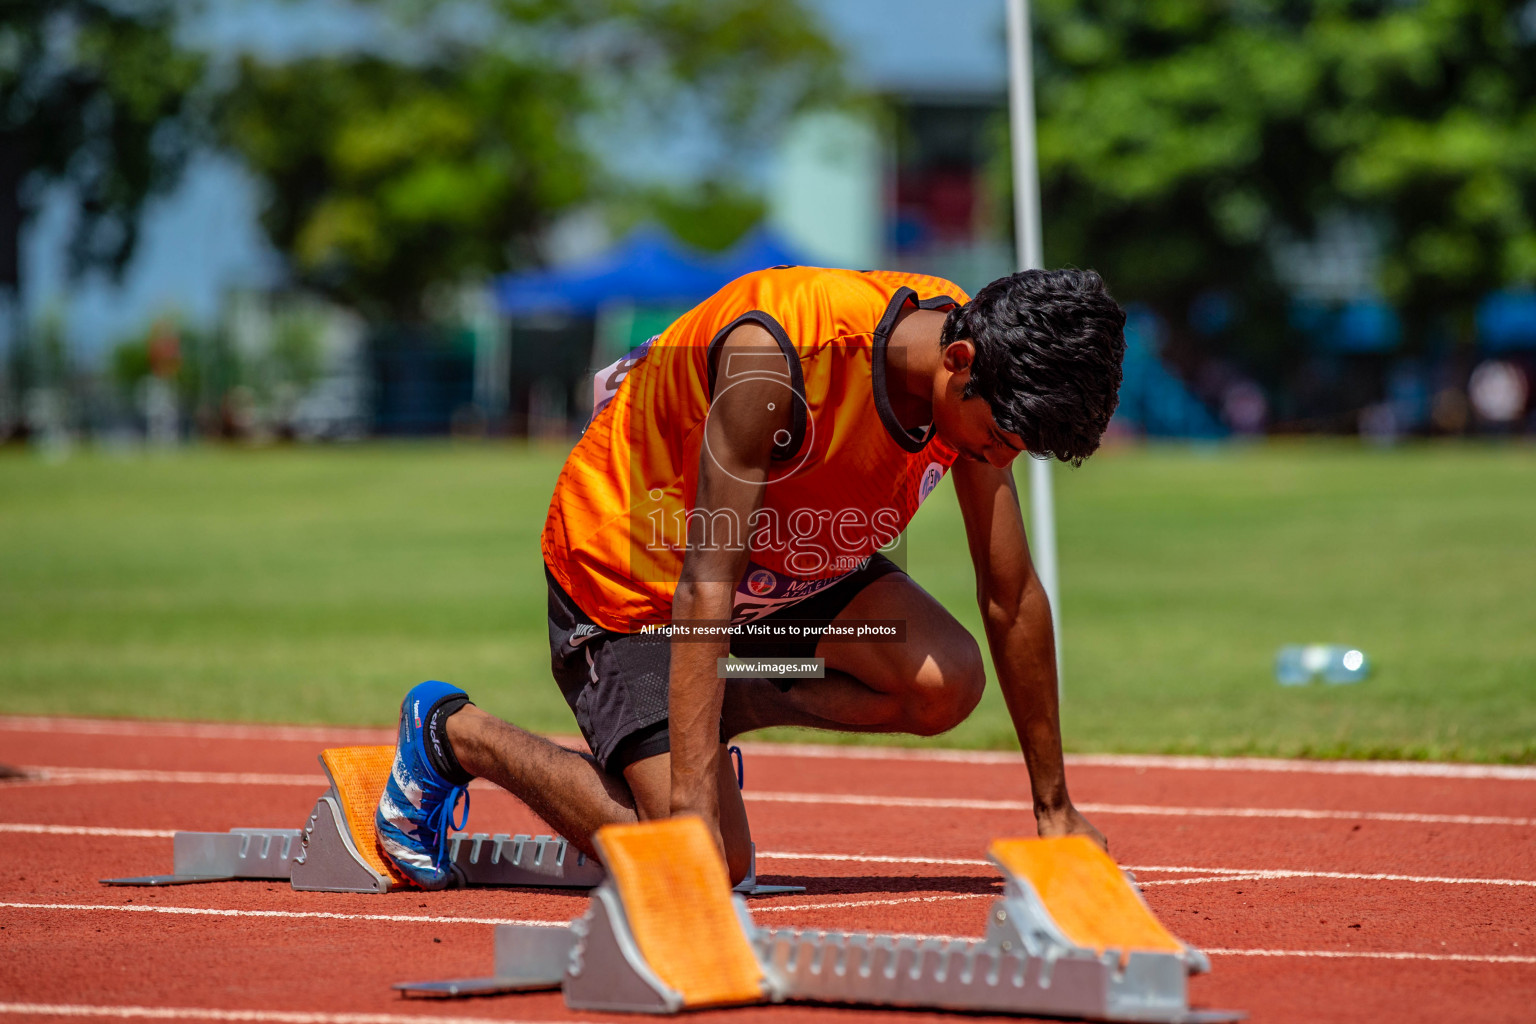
(748,466)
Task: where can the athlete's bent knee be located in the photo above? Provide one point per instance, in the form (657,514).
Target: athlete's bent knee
(947,694)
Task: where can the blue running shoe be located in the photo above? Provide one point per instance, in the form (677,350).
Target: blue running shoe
(415,813)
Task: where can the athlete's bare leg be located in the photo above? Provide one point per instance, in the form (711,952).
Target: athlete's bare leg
(651,782)
(572,793)
(927,685)
(567,788)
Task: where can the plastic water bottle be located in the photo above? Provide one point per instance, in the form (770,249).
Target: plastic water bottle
(1291,666)
(1300,664)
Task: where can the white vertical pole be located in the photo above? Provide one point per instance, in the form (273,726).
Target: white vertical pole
(1030,256)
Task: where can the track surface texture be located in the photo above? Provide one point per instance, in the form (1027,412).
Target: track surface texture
(1321,891)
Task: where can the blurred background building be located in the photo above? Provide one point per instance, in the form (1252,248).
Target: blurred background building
(315,219)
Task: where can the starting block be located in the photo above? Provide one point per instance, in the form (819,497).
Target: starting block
(1070,937)
(337,849)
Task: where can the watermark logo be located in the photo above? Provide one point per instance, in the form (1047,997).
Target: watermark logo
(797,534)
(766,378)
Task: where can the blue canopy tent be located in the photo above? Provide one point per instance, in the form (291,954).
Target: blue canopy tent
(649,267)
(1506,321)
(1153,400)
(760,249)
(606,305)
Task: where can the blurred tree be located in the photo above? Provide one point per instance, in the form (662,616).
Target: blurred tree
(1181,140)
(712,215)
(98,96)
(390,175)
(385,178)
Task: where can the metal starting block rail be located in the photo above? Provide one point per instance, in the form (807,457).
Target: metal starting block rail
(336,850)
(1070,937)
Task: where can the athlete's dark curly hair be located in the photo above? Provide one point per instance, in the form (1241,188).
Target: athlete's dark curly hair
(1049,344)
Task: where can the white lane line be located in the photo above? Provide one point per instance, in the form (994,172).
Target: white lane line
(317,915)
(1219,874)
(1306,814)
(1184,869)
(891,902)
(1162,762)
(1140,884)
(86,830)
(945,803)
(1322,954)
(1264,874)
(415,919)
(1377,769)
(253,1016)
(196,730)
(68,776)
(136,908)
(1344,954)
(869,858)
(65,776)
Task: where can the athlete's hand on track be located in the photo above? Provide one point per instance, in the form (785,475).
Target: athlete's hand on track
(1068,822)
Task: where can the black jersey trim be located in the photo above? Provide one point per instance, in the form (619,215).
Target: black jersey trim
(899,434)
(797,423)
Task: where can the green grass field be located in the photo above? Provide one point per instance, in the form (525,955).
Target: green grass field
(316,584)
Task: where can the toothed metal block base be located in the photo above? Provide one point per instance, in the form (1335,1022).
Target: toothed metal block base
(1025,966)
(529,958)
(221,856)
(330,861)
(973,975)
(488,860)
(607,970)
(322,857)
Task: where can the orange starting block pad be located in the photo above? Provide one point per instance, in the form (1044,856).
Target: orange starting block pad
(1071,937)
(337,849)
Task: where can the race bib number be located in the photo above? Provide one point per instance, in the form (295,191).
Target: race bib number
(605,383)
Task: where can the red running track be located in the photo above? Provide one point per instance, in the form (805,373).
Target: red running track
(1322,892)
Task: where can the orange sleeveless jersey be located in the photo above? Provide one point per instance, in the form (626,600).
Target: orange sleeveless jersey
(843,484)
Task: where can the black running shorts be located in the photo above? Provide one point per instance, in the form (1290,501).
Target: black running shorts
(616,683)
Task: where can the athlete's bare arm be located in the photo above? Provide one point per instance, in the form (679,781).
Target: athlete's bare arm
(733,465)
(1017,616)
